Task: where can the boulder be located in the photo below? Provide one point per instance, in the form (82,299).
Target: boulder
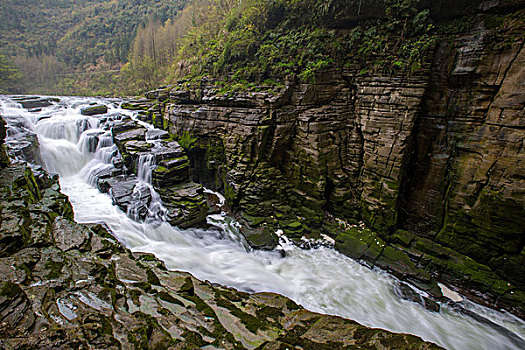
(4,158)
(186,204)
(94,110)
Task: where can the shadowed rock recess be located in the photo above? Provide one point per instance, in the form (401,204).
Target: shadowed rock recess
(432,163)
(66,285)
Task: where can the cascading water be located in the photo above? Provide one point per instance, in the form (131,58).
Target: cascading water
(79,148)
(144,196)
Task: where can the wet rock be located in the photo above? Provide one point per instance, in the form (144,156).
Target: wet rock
(262,237)
(4,158)
(186,204)
(125,125)
(157,134)
(35,101)
(90,139)
(94,110)
(404,291)
(121,190)
(25,146)
(97,176)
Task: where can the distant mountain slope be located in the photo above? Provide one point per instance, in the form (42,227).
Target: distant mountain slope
(50,39)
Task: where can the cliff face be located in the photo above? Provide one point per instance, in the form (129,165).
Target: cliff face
(432,163)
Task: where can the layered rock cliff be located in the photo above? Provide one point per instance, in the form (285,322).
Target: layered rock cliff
(432,163)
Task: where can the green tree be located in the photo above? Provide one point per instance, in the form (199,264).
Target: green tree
(9,76)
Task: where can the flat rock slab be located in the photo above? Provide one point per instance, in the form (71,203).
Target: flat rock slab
(33,102)
(157,134)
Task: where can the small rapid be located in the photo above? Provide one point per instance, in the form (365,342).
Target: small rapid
(79,147)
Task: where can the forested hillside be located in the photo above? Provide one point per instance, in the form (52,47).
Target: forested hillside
(74,47)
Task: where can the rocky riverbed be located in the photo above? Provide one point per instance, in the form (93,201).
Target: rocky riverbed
(67,285)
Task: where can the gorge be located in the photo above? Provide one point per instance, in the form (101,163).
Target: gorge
(311,175)
(320,279)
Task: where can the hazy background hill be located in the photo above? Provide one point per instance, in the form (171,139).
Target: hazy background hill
(73,47)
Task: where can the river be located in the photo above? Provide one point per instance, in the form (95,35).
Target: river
(320,279)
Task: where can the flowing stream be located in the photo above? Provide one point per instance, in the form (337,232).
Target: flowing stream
(321,279)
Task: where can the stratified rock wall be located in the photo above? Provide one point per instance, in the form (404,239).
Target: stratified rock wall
(465,186)
(432,163)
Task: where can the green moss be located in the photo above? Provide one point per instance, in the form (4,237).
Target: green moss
(359,244)
(294,225)
(269,312)
(229,194)
(393,185)
(28,182)
(201,305)
(253,220)
(231,295)
(147,257)
(145,286)
(493,22)
(152,278)
(186,140)
(55,269)
(193,338)
(142,336)
(263,237)
(491,228)
(10,290)
(402,237)
(133,106)
(430,247)
(397,261)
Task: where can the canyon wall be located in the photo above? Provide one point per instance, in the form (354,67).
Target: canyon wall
(432,163)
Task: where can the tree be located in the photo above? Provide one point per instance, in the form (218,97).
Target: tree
(9,76)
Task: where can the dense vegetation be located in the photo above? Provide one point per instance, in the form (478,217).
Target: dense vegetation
(266,41)
(74,47)
(128,46)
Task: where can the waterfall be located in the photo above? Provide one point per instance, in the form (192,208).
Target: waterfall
(145,166)
(81,150)
(145,201)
